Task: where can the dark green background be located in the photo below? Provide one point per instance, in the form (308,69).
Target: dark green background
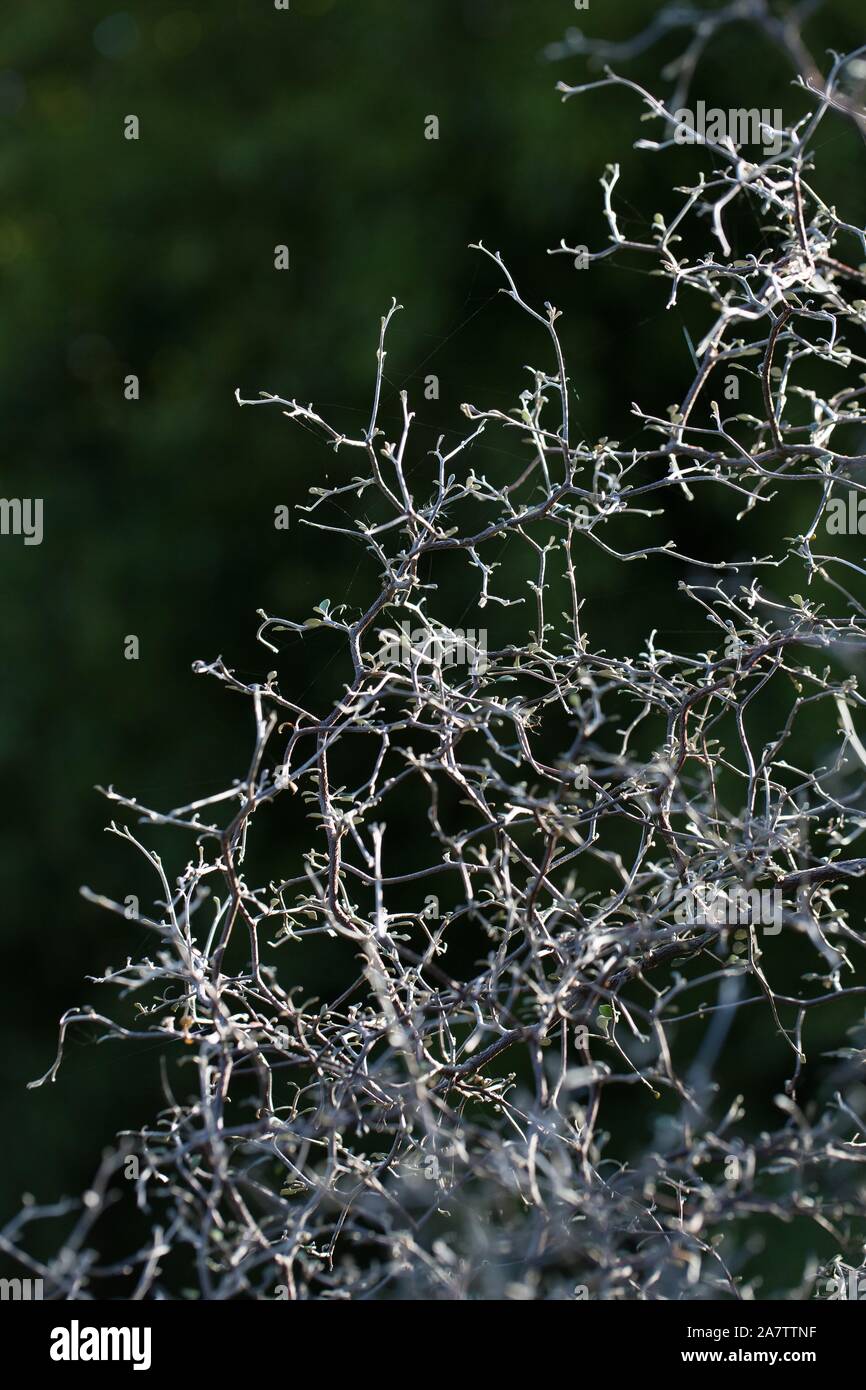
(155,257)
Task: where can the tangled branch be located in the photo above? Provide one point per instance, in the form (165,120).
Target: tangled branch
(612,856)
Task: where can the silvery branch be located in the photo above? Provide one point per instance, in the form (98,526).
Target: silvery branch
(607,859)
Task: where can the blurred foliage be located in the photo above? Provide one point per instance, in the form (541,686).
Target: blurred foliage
(261,127)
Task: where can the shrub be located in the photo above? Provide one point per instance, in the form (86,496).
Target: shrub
(606,864)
